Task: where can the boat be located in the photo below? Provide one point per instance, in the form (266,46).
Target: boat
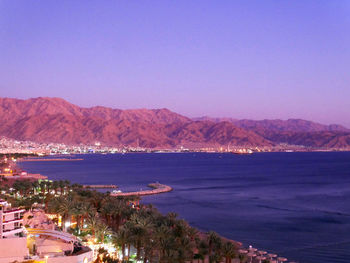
(242,151)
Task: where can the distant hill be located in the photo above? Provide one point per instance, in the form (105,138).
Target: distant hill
(294,125)
(294,131)
(56,120)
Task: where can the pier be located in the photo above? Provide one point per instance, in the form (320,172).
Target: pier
(157,189)
(101,186)
(50,159)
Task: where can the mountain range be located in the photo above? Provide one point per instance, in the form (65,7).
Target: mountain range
(56,120)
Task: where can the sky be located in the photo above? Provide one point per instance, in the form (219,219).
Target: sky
(251,59)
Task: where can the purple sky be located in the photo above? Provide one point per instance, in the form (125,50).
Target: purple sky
(242,59)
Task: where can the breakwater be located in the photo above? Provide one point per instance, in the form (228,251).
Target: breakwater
(157,189)
(49,159)
(100,186)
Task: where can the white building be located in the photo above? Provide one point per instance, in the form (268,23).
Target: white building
(13,243)
(11,221)
(16,242)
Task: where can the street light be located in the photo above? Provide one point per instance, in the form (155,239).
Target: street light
(46,258)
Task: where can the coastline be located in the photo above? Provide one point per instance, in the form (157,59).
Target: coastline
(121,159)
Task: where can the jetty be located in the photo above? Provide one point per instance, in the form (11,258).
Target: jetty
(100,186)
(50,159)
(157,188)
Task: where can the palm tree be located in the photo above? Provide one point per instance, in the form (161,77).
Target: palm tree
(96,199)
(193,234)
(66,208)
(137,235)
(107,211)
(77,213)
(228,251)
(185,249)
(203,250)
(47,200)
(211,238)
(92,224)
(61,185)
(3,186)
(48,185)
(42,185)
(216,257)
(86,211)
(149,247)
(22,187)
(170,218)
(102,230)
(35,186)
(55,186)
(165,241)
(3,179)
(120,239)
(66,184)
(213,243)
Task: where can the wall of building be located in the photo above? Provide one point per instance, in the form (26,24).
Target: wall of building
(73,259)
(12,249)
(13,225)
(9,220)
(46,246)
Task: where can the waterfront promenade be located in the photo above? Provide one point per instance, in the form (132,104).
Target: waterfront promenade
(157,189)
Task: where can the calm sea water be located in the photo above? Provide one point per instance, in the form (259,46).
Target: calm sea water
(294,204)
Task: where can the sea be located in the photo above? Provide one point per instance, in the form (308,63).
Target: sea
(296,205)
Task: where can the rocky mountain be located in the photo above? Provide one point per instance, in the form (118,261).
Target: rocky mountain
(56,120)
(294,131)
(293,125)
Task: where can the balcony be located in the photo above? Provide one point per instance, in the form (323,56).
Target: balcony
(10,232)
(12,221)
(11,211)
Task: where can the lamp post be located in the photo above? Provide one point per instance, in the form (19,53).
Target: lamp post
(46,258)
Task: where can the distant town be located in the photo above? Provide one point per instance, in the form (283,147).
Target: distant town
(11,146)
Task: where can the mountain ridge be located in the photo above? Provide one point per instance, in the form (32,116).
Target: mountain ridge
(46,119)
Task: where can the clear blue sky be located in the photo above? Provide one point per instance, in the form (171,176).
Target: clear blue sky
(242,59)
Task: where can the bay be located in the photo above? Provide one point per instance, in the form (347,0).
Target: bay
(294,204)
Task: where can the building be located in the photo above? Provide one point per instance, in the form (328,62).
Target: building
(13,241)
(11,221)
(18,243)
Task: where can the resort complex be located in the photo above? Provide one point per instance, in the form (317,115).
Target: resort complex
(20,244)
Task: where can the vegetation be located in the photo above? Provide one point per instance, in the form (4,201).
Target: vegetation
(151,236)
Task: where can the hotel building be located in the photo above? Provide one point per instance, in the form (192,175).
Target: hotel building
(11,221)
(13,242)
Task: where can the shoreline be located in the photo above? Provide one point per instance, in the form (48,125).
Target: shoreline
(157,188)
